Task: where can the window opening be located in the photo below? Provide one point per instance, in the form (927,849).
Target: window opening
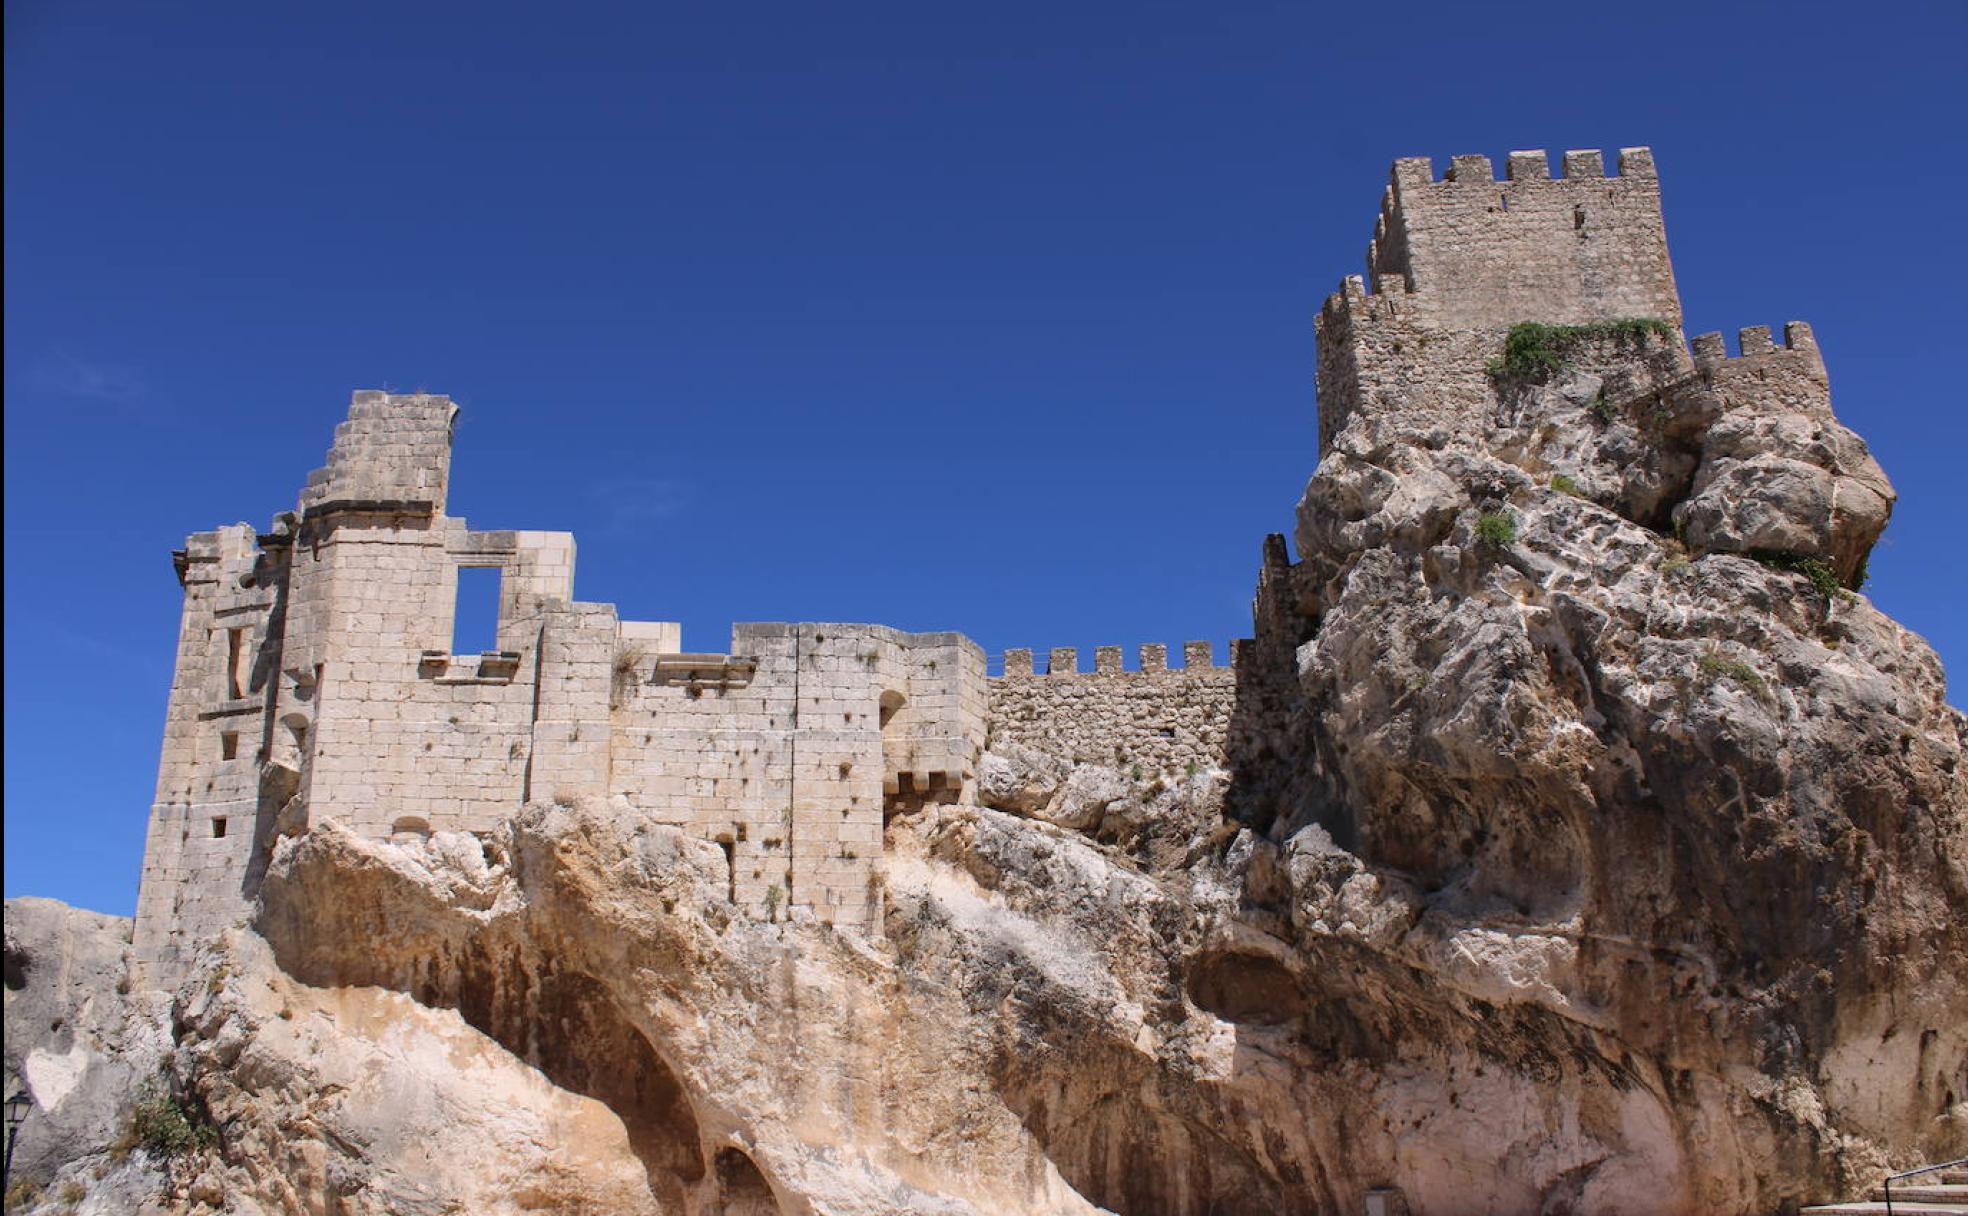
(475,622)
(228,745)
(730,867)
(218,828)
(235,664)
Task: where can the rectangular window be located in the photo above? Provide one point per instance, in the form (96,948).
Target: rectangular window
(475,621)
(228,745)
(218,828)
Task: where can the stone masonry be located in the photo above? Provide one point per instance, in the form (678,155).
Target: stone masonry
(316,677)
(1159,720)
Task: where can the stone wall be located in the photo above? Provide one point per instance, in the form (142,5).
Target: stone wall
(1530,247)
(1160,720)
(789,750)
(1791,377)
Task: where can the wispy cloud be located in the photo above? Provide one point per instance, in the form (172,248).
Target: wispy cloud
(101,384)
(632,504)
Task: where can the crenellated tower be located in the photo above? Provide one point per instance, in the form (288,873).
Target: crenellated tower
(1455,261)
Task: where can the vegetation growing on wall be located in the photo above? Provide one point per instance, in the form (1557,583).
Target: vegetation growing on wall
(1534,352)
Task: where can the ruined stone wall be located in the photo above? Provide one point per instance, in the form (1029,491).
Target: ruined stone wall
(354,707)
(393,450)
(407,733)
(208,807)
(788,750)
(1160,720)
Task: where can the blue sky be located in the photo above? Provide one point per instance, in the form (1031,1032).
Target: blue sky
(989,317)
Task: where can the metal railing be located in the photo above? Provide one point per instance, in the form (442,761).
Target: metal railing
(1903,1175)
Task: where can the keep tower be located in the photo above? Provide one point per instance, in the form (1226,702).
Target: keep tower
(1456,260)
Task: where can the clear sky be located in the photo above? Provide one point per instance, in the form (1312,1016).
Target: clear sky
(990,317)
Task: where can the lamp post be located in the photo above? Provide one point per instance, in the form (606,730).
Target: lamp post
(18,1104)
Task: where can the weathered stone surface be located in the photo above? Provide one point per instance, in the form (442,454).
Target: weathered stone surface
(608,955)
(81,1039)
(362,1101)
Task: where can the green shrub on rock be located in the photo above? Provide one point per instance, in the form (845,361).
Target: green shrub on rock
(1496,529)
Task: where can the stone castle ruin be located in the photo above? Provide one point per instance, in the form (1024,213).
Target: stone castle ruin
(317,677)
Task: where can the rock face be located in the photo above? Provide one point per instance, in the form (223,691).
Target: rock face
(1704,811)
(1572,838)
(81,1037)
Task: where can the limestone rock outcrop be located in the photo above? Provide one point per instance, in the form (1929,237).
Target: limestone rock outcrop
(1705,810)
(82,1037)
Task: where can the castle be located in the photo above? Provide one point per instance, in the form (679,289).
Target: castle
(317,677)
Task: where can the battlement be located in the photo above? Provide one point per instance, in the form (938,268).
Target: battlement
(1456,261)
(1580,164)
(1791,375)
(1755,341)
(1198,657)
(1158,719)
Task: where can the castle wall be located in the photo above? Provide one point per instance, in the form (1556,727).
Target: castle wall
(1159,720)
(790,750)
(316,676)
(1788,378)
(1379,353)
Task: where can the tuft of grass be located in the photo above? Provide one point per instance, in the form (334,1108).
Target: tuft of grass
(1822,576)
(1715,666)
(1675,565)
(772,897)
(1603,408)
(1533,352)
(166,1127)
(1496,529)
(1566,485)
